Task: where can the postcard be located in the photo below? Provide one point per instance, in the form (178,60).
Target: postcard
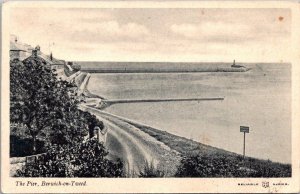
(150,97)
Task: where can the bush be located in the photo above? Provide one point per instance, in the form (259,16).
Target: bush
(20,147)
(91,121)
(150,171)
(205,166)
(221,165)
(83,160)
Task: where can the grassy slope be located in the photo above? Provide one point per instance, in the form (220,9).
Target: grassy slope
(180,144)
(262,168)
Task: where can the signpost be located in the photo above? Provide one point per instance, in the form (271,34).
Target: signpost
(245,130)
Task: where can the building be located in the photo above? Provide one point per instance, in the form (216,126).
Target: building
(53,62)
(36,55)
(18,50)
(48,60)
(21,51)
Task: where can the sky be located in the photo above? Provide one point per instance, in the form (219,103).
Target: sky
(156,34)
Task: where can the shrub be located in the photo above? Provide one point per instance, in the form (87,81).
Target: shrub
(150,171)
(205,166)
(221,165)
(82,160)
(20,147)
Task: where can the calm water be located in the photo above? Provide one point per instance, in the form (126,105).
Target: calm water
(259,98)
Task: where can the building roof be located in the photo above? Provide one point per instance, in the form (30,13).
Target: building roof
(17,47)
(45,59)
(38,58)
(54,61)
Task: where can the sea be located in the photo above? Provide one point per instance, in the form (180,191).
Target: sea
(259,98)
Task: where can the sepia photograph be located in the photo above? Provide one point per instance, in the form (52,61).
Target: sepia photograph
(118,91)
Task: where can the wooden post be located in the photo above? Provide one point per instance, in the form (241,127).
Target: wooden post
(245,130)
(244,144)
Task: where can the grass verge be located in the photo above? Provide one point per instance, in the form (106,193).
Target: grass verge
(219,160)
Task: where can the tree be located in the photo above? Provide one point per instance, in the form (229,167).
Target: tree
(86,159)
(41,102)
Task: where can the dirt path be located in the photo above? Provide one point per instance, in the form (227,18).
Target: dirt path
(134,146)
(136,153)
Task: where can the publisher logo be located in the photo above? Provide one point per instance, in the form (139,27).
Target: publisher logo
(265,184)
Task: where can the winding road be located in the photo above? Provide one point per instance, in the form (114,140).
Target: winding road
(133,146)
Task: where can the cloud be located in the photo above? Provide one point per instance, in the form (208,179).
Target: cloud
(83,23)
(114,29)
(187,30)
(176,35)
(211,29)
(109,31)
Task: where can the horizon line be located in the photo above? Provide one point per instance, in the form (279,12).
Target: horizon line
(180,62)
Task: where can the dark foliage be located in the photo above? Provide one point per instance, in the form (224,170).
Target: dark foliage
(150,171)
(20,147)
(211,165)
(38,100)
(92,122)
(46,106)
(82,160)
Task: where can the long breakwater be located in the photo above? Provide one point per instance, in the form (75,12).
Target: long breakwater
(198,70)
(160,100)
(106,103)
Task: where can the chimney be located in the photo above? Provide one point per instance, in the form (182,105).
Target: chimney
(51,57)
(34,53)
(16,39)
(38,48)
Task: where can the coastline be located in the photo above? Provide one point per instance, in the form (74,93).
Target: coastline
(136,142)
(183,147)
(139,145)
